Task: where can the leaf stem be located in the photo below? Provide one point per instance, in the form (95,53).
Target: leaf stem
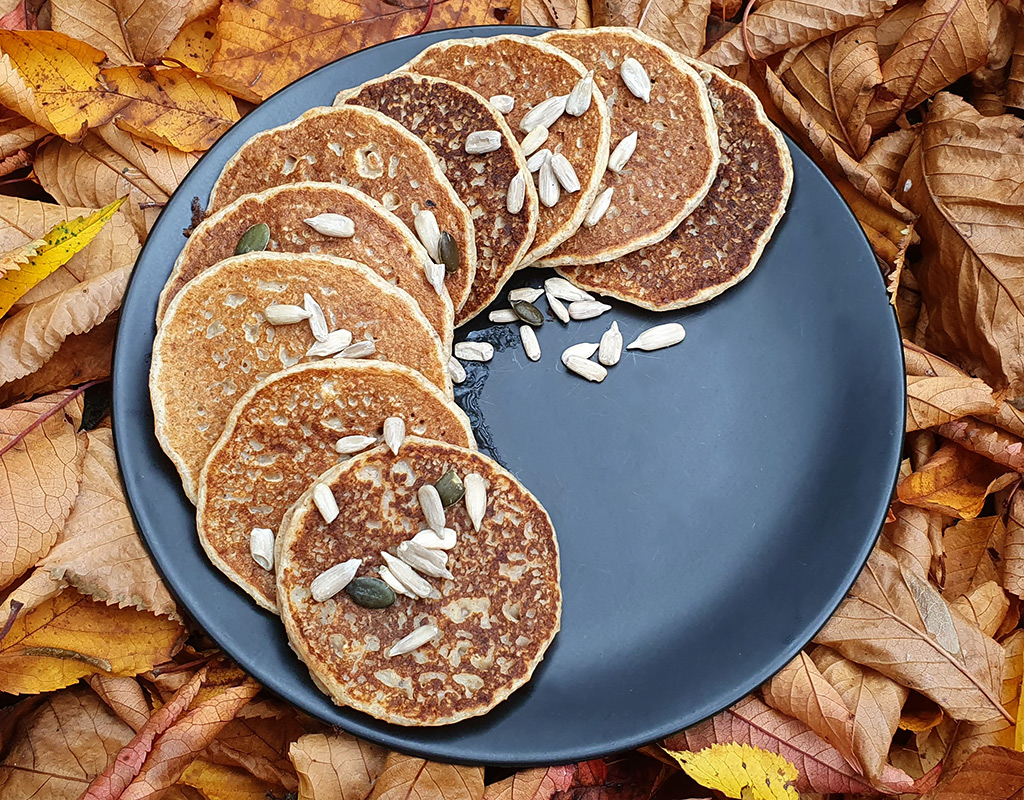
(743,30)
(15,608)
(426,20)
(43,417)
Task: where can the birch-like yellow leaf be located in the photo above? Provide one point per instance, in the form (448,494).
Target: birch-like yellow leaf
(32,262)
(740,771)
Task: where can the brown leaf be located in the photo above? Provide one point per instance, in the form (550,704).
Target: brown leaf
(1013,552)
(955,482)
(991,773)
(994,443)
(195,44)
(984,605)
(124,696)
(899,625)
(965,178)
(555,13)
(61,746)
(1015,80)
(267,44)
(408,778)
(17,133)
(778,25)
(909,537)
(221,782)
(973,554)
(532,784)
(934,401)
(336,766)
(617,12)
(678,23)
(920,362)
(260,745)
(39,479)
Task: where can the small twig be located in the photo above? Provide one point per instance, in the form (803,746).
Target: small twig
(743,30)
(152,204)
(43,417)
(157,670)
(426,20)
(15,608)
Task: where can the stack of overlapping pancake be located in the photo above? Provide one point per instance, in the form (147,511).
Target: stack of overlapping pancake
(302,370)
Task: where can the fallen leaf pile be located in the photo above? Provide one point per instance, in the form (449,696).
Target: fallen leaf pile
(913,110)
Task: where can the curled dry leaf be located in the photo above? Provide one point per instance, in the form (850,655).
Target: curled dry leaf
(955,482)
(17,133)
(408,778)
(335,766)
(985,605)
(1013,551)
(532,784)
(1015,79)
(988,440)
(259,744)
(973,554)
(555,13)
(909,537)
(617,12)
(678,23)
(991,773)
(124,696)
(740,771)
(934,401)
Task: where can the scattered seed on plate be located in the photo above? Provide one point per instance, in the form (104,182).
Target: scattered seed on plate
(597,211)
(337,226)
(557,307)
(530,343)
(503,102)
(545,113)
(547,184)
(409,578)
(331,581)
(536,161)
(456,371)
(515,197)
(483,142)
(610,349)
(317,320)
(564,172)
(428,231)
(388,577)
(347,445)
(435,276)
(423,560)
(534,139)
(413,641)
(431,506)
(394,433)
(563,290)
(586,368)
(323,499)
(579,98)
(476,496)
(581,350)
(254,239)
(528,312)
(474,351)
(449,488)
(500,315)
(333,343)
(281,314)
(360,349)
(587,309)
(527,293)
(445,540)
(636,78)
(622,152)
(448,252)
(658,337)
(370,592)
(261,547)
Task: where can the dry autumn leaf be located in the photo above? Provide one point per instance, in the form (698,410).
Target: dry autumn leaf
(909,537)
(973,550)
(222,782)
(555,13)
(986,605)
(1013,550)
(408,778)
(991,773)
(532,784)
(934,401)
(954,481)
(740,771)
(335,766)
(678,23)
(195,45)
(125,697)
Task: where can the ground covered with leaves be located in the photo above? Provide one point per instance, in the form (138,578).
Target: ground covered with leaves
(912,108)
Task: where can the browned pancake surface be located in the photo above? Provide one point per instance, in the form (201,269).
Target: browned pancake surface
(496,618)
(720,242)
(361,148)
(381,241)
(443,114)
(531,71)
(677,148)
(259,466)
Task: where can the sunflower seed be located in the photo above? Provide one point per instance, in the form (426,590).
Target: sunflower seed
(360,349)
(585,368)
(431,506)
(579,98)
(563,290)
(536,161)
(599,209)
(564,172)
(534,139)
(449,488)
(622,152)
(528,293)
(323,499)
(581,350)
(476,498)
(547,184)
(317,320)
(636,79)
(435,276)
(413,641)
(503,102)
(261,547)
(347,445)
(658,337)
(427,562)
(409,578)
(483,142)
(428,232)
(502,315)
(331,581)
(587,309)
(557,307)
(254,239)
(445,540)
(370,593)
(474,351)
(610,350)
(456,371)
(394,433)
(515,197)
(545,113)
(530,343)
(280,314)
(336,225)
(389,578)
(448,252)
(528,312)
(334,342)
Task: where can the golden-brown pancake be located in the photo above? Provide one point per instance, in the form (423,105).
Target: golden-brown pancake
(364,149)
(719,244)
(381,241)
(495,617)
(259,466)
(215,341)
(676,154)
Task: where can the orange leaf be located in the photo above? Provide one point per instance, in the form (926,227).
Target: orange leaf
(220,782)
(335,766)
(985,605)
(532,784)
(934,401)
(195,44)
(124,696)
(408,778)
(955,481)
(994,443)
(973,554)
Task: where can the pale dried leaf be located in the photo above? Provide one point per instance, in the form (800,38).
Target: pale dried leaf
(678,23)
(910,536)
(1013,552)
(532,784)
(934,401)
(165,166)
(973,554)
(889,29)
(335,766)
(987,440)
(991,773)
(17,133)
(618,12)
(555,13)
(33,591)
(125,697)
(985,605)
(884,158)
(408,778)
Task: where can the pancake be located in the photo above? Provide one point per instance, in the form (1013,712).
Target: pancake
(676,154)
(215,342)
(532,71)
(442,114)
(496,617)
(366,150)
(259,467)
(381,241)
(719,244)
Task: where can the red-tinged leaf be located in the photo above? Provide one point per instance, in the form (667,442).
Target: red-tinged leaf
(125,698)
(991,773)
(408,778)
(532,784)
(987,440)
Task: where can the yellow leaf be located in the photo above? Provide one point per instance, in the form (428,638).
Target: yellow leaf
(221,782)
(54,250)
(195,44)
(740,771)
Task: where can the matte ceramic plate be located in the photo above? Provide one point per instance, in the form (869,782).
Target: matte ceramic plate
(713,501)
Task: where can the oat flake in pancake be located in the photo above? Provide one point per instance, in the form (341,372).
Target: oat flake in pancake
(532,71)
(361,148)
(719,244)
(281,435)
(495,618)
(443,114)
(676,154)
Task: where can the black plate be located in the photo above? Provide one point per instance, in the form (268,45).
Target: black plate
(713,501)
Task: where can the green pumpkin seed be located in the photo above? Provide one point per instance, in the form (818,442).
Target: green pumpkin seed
(448,251)
(256,238)
(528,313)
(370,593)
(449,487)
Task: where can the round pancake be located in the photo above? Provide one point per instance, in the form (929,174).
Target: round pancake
(215,342)
(381,241)
(495,619)
(719,244)
(676,155)
(259,467)
(442,114)
(531,71)
(364,149)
